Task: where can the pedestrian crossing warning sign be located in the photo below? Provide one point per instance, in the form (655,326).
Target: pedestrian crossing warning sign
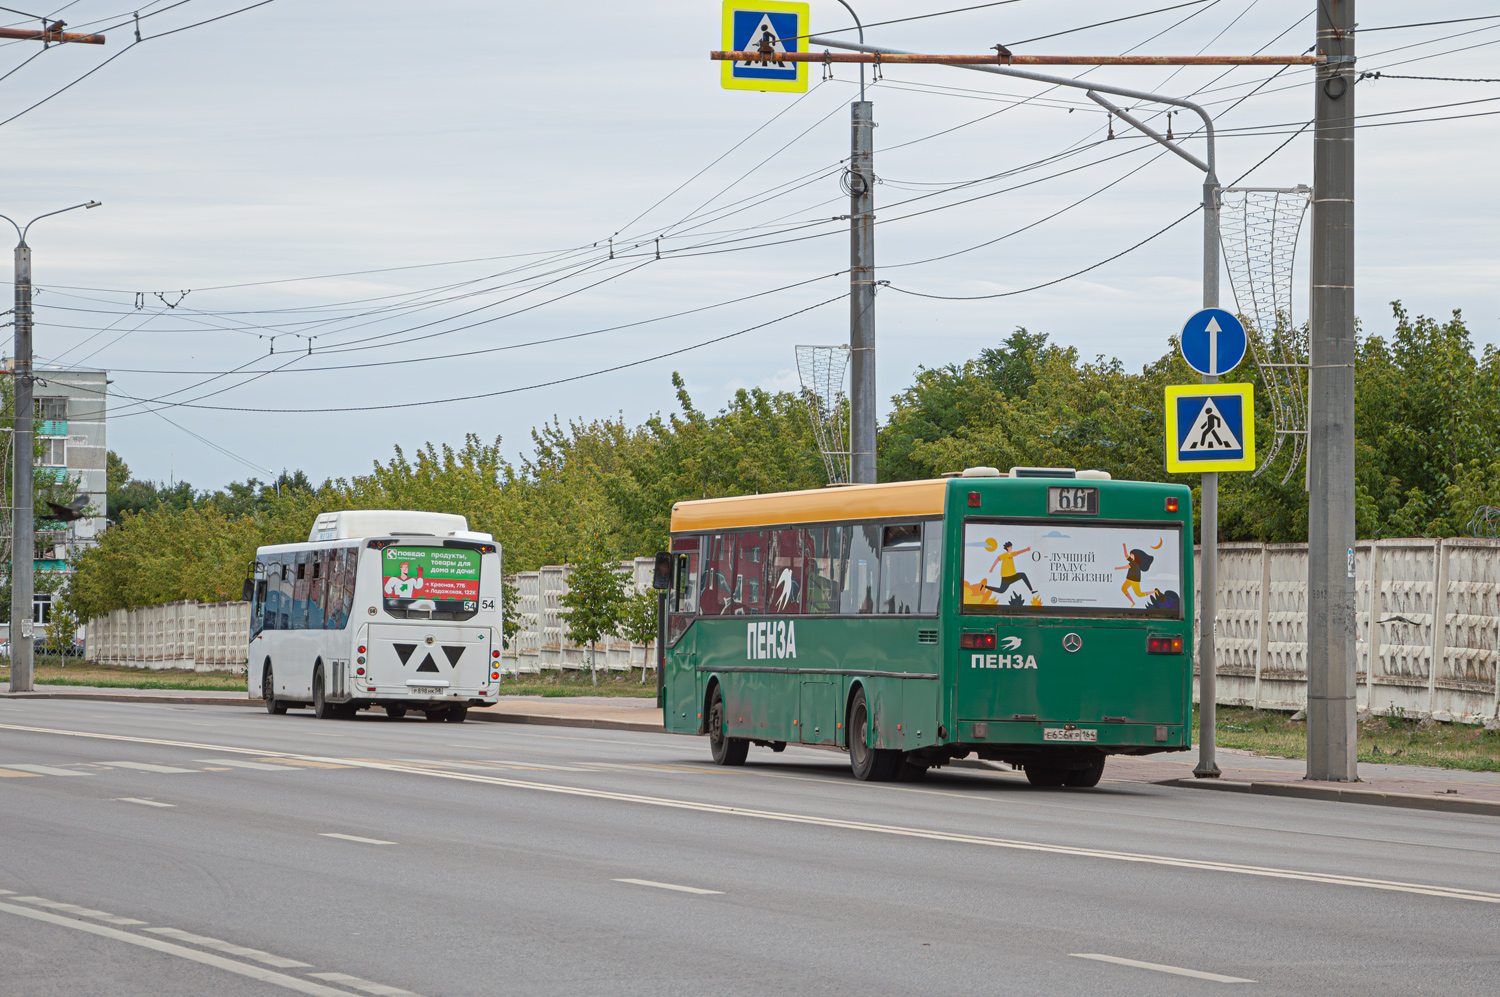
(765,26)
(1210,427)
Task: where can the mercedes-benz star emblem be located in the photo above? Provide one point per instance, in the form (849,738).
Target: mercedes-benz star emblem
(1072,642)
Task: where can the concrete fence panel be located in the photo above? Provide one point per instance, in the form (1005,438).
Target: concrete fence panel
(542,644)
(188,635)
(1427,626)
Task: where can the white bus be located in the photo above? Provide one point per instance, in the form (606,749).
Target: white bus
(393,609)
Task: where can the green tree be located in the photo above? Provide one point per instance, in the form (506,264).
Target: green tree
(510,612)
(61,628)
(638,621)
(596,588)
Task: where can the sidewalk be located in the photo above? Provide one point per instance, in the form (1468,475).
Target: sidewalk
(603,712)
(1412,786)
(1408,786)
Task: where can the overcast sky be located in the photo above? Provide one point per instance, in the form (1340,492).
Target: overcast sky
(308,138)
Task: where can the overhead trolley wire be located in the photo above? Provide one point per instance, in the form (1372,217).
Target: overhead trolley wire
(1109,259)
(517,346)
(499,393)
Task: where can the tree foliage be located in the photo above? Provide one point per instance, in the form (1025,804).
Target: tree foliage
(596,590)
(1427,434)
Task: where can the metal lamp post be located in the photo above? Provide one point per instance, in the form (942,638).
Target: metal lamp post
(23,524)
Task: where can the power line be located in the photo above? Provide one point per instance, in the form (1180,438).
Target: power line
(915,17)
(1110,259)
(1426,24)
(517,346)
(506,391)
(77,80)
(1117,20)
(1378,75)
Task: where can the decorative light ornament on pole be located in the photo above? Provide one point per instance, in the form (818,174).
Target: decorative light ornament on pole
(23,522)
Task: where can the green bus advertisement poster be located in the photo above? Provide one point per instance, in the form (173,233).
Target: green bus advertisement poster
(1091,569)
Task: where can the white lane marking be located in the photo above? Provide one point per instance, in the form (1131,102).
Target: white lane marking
(365,985)
(180,951)
(75,910)
(354,837)
(279,962)
(1196,974)
(494,763)
(147,767)
(668,886)
(1333,879)
(7,893)
(43,769)
(144,803)
(258,766)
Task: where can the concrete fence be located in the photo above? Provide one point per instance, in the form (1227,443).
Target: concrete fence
(209,636)
(1427,640)
(542,644)
(1428,626)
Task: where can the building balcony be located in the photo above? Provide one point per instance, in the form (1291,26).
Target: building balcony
(52,427)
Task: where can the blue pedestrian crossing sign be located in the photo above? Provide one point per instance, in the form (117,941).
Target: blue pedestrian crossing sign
(1210,427)
(1213,341)
(765,26)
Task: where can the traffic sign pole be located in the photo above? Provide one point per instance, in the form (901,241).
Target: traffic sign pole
(1208,514)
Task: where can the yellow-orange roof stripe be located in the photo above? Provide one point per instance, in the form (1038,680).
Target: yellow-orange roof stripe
(821,505)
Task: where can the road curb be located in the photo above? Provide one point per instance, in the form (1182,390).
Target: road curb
(106,697)
(1368,797)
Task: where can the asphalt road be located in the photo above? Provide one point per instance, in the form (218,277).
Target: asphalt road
(163,850)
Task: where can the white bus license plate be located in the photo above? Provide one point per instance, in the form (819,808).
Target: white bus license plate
(1060,734)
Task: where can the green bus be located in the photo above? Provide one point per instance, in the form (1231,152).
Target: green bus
(1040,617)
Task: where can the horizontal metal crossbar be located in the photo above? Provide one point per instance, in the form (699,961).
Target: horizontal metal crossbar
(52,34)
(1022,60)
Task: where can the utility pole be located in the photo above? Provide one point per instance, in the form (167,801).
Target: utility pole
(23,525)
(1331,689)
(862,296)
(862,416)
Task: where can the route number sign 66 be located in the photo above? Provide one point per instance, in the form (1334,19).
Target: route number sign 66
(1068,500)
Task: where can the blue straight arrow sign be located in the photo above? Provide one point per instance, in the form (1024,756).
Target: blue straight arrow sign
(1213,342)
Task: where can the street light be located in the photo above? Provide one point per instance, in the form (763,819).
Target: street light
(23,525)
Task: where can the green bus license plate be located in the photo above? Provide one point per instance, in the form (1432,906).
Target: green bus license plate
(1063,734)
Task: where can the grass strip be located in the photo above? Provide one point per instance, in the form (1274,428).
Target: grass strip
(72,671)
(1382,739)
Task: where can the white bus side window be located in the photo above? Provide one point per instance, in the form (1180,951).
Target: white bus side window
(348,561)
(334,600)
(317,592)
(275,592)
